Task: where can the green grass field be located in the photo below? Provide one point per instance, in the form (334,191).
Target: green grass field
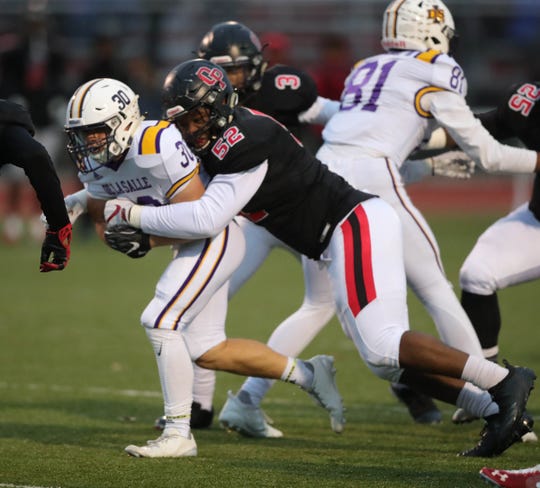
(78,383)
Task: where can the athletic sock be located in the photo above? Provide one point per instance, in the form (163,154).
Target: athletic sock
(483,373)
(298,372)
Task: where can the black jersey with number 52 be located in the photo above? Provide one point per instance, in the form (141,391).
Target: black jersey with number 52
(300,201)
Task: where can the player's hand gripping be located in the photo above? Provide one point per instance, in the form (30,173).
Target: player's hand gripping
(122,212)
(55,251)
(452,164)
(128,240)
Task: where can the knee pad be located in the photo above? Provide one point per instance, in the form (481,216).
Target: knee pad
(476,277)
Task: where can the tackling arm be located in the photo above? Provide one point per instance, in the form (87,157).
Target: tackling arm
(224,197)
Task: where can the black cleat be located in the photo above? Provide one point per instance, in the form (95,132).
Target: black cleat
(510,424)
(200,418)
(421,407)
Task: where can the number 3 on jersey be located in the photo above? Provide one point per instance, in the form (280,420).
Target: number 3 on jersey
(229,138)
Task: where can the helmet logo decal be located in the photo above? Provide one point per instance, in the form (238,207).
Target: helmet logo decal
(283,81)
(436,14)
(211,76)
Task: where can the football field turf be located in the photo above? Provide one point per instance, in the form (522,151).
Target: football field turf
(78,383)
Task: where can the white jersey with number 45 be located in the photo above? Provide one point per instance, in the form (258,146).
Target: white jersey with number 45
(381,86)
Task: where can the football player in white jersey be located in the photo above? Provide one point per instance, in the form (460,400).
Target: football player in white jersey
(390,106)
(120,155)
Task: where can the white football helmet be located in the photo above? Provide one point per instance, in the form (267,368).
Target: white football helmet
(104,106)
(417,25)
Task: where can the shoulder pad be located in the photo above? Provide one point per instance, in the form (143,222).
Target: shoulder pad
(13,113)
(286,90)
(150,137)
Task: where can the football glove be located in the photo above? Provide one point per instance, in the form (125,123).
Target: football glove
(452,164)
(55,251)
(128,240)
(121,212)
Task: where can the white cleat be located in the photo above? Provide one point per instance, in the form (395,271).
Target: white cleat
(324,390)
(166,445)
(248,420)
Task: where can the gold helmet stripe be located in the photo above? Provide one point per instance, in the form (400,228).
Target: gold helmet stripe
(395,15)
(81,94)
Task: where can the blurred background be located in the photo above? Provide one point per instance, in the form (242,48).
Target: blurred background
(49,47)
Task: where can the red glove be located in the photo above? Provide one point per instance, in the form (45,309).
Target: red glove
(55,250)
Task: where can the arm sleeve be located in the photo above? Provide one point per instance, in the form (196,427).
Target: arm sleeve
(224,197)
(21,149)
(452,112)
(320,112)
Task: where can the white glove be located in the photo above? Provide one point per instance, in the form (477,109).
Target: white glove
(76,205)
(452,164)
(121,211)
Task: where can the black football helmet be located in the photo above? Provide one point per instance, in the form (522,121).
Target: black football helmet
(196,84)
(232,44)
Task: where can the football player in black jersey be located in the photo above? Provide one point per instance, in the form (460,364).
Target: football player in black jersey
(21,149)
(257,167)
(506,254)
(285,93)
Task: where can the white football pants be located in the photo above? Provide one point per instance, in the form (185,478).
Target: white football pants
(423,266)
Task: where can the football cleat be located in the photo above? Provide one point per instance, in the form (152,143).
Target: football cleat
(461,416)
(166,445)
(246,419)
(324,390)
(200,418)
(509,425)
(421,407)
(507,478)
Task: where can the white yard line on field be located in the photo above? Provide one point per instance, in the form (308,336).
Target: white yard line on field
(90,389)
(9,485)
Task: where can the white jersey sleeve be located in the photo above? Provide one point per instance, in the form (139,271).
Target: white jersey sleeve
(225,196)
(452,112)
(320,112)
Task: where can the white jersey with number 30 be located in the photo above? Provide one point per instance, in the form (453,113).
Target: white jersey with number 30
(379,85)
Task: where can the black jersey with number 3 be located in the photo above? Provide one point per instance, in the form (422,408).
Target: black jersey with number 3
(300,201)
(285,92)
